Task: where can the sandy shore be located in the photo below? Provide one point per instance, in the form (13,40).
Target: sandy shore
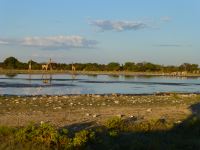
(126,73)
(66,110)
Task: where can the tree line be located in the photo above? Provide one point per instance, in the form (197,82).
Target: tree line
(13,63)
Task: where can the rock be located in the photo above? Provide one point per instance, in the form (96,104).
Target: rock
(103,104)
(57,108)
(95,115)
(87,114)
(134,117)
(120,115)
(178,122)
(34,98)
(149,110)
(116,102)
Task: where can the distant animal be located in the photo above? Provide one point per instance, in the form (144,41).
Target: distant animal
(73,67)
(30,66)
(184,73)
(45,67)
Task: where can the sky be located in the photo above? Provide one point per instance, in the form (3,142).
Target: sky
(158,31)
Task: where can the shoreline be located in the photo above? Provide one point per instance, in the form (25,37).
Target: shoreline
(111,94)
(70,109)
(117,73)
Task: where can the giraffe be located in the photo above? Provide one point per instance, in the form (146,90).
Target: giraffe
(48,65)
(45,67)
(30,65)
(73,67)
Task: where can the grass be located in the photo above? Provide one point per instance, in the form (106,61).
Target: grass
(115,133)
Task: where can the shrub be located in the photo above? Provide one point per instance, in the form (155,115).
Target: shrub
(43,133)
(83,137)
(115,123)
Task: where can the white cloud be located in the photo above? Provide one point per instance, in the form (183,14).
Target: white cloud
(106,25)
(53,42)
(3,42)
(165,18)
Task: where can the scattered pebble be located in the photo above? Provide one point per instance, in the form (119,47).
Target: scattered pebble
(120,115)
(87,114)
(149,110)
(95,115)
(116,102)
(57,108)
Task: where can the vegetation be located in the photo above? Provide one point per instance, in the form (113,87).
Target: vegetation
(13,63)
(116,134)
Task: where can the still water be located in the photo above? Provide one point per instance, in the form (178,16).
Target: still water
(94,84)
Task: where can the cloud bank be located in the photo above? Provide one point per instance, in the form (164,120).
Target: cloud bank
(52,42)
(106,25)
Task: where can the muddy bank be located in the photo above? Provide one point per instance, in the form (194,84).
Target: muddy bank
(66,110)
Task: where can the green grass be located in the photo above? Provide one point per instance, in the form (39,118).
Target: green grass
(115,133)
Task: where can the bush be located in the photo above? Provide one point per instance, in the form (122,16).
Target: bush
(115,123)
(83,137)
(43,133)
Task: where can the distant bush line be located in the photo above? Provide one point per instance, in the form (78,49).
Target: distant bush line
(13,63)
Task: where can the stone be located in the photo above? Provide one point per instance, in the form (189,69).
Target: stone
(120,115)
(116,102)
(87,114)
(149,110)
(103,104)
(95,115)
(57,108)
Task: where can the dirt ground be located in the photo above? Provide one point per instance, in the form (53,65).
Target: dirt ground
(66,110)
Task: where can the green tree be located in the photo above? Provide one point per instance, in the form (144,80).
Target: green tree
(11,63)
(113,66)
(188,67)
(130,66)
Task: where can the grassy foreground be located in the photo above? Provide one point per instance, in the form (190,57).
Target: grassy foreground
(114,134)
(96,122)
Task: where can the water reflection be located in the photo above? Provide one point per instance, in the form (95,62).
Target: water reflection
(11,75)
(112,76)
(52,84)
(128,77)
(93,75)
(47,78)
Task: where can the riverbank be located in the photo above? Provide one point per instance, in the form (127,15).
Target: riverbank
(71,109)
(115,73)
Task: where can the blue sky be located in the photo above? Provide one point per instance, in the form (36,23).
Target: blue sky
(159,31)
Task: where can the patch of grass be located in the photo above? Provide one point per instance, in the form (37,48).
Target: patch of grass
(117,133)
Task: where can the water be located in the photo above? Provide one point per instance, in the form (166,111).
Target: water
(91,84)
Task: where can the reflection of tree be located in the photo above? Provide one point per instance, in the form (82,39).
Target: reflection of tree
(11,75)
(73,77)
(113,76)
(92,75)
